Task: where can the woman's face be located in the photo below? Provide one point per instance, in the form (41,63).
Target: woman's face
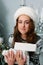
(23,24)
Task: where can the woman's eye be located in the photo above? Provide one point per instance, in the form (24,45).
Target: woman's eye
(27,22)
(19,21)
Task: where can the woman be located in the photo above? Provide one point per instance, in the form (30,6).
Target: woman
(24,31)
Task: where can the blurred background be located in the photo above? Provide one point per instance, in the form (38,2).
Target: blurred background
(7,10)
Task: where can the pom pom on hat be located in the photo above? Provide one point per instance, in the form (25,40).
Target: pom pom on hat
(27,11)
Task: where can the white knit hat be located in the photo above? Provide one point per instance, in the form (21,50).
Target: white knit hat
(27,11)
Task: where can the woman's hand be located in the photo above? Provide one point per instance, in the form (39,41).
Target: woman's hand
(10,57)
(19,58)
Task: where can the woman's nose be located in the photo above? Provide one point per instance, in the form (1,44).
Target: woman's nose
(23,24)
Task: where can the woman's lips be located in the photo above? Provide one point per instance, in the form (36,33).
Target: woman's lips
(22,29)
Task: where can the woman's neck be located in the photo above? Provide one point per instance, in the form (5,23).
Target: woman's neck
(23,37)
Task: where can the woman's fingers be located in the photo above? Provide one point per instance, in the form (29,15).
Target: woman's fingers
(10,57)
(24,58)
(19,58)
(12,54)
(17,55)
(21,54)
